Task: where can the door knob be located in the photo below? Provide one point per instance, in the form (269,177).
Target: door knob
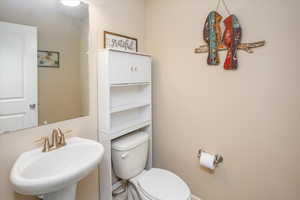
(32,106)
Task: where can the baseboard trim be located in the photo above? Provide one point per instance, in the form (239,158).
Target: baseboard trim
(196,198)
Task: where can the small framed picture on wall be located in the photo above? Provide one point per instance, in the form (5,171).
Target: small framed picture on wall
(120,42)
(48,59)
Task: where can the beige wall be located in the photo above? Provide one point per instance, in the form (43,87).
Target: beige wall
(123,17)
(250,116)
(116,15)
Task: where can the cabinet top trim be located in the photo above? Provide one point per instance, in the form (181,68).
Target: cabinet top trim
(135,53)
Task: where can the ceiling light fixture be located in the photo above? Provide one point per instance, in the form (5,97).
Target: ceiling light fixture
(71,3)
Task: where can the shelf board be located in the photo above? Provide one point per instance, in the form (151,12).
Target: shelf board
(129,52)
(125,107)
(129,84)
(134,125)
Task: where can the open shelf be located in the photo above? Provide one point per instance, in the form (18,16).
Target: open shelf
(121,108)
(129,119)
(134,125)
(129,84)
(129,97)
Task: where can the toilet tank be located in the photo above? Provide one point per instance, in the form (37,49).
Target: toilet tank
(129,154)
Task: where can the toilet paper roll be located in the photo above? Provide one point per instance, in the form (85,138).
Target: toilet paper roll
(207,160)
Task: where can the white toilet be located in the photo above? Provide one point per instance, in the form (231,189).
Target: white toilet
(129,157)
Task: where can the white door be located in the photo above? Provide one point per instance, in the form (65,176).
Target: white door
(18,77)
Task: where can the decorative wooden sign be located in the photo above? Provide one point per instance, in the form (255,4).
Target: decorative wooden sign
(120,42)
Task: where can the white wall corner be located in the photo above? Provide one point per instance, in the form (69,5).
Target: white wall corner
(196,198)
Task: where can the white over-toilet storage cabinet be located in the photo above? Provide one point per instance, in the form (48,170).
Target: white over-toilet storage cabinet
(124,104)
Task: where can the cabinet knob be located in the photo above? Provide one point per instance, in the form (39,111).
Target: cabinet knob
(136,69)
(123,156)
(132,68)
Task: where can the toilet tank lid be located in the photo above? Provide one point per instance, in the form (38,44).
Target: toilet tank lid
(130,141)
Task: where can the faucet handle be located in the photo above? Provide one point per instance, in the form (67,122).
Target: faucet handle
(62,140)
(63,135)
(46,143)
(46,146)
(55,138)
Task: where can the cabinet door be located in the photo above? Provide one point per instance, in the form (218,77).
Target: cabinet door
(129,68)
(119,68)
(141,71)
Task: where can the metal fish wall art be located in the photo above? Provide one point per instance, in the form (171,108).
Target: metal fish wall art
(230,42)
(212,36)
(232,38)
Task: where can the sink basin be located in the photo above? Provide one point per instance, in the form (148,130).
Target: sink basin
(55,174)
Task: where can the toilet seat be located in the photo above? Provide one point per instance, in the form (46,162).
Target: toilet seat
(159,184)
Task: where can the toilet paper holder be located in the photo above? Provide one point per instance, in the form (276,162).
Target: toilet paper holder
(218,158)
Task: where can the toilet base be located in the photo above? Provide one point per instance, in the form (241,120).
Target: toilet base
(142,195)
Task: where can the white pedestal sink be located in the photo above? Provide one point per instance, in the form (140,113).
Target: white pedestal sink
(55,174)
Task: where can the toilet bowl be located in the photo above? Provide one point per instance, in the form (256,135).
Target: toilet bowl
(160,184)
(129,157)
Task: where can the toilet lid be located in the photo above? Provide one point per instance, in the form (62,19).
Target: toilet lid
(161,184)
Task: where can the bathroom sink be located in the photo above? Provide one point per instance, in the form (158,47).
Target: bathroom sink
(55,174)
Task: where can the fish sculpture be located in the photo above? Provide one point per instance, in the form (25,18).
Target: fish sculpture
(212,35)
(231,39)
